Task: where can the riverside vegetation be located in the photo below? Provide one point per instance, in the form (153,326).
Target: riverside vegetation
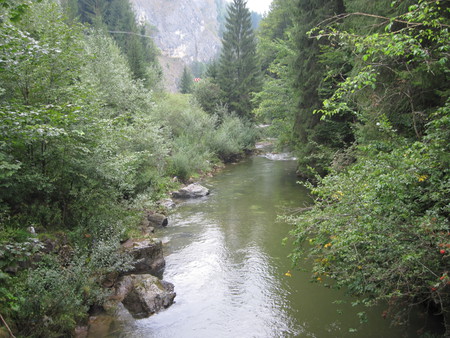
(358,90)
(361,90)
(88,139)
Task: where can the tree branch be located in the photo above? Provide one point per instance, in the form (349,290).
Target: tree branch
(7,327)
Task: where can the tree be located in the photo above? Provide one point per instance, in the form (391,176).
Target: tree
(275,103)
(317,141)
(239,73)
(186,81)
(119,19)
(380,226)
(208,95)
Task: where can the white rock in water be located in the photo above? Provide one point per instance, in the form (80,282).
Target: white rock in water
(194,190)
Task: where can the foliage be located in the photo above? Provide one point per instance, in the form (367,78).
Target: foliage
(379,227)
(308,71)
(238,74)
(199,138)
(275,102)
(232,137)
(118,19)
(208,95)
(414,59)
(54,297)
(35,54)
(186,81)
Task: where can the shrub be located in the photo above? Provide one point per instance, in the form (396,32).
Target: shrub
(56,295)
(232,138)
(380,228)
(190,156)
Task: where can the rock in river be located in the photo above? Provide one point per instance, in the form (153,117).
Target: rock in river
(157,220)
(144,295)
(194,190)
(147,256)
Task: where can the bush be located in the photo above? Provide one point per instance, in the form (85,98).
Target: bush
(232,138)
(56,295)
(208,95)
(190,156)
(380,227)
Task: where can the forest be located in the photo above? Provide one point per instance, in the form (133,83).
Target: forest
(89,138)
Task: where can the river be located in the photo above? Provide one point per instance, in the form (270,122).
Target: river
(224,254)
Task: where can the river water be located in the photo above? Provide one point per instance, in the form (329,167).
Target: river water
(224,254)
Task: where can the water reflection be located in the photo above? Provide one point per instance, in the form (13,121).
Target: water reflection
(225,257)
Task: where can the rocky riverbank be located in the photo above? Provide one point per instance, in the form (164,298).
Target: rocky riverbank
(140,290)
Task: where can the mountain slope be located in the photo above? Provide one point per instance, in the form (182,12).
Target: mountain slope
(185,29)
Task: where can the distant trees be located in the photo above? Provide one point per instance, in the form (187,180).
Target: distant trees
(186,81)
(276,102)
(119,19)
(239,72)
(319,140)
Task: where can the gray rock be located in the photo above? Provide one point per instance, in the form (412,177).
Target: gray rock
(157,220)
(147,256)
(186,29)
(144,295)
(167,203)
(191,191)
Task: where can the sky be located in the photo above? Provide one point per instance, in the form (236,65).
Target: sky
(260,6)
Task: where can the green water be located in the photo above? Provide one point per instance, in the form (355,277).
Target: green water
(225,257)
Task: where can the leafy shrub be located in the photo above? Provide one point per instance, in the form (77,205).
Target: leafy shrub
(190,156)
(232,137)
(53,298)
(380,228)
(208,95)
(180,116)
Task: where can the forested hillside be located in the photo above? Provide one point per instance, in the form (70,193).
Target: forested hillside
(361,90)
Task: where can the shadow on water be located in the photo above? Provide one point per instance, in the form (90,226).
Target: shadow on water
(225,257)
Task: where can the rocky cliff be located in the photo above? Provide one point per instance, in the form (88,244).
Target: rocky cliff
(185,29)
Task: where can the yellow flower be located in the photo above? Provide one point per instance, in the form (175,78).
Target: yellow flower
(288,274)
(422,178)
(327,245)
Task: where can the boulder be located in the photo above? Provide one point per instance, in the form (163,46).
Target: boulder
(157,220)
(191,191)
(98,326)
(81,332)
(147,256)
(167,203)
(144,295)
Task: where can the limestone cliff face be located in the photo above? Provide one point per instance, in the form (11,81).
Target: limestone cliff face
(185,29)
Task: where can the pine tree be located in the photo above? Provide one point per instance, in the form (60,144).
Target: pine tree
(118,17)
(186,81)
(239,73)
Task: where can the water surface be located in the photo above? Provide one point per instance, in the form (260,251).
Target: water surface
(225,256)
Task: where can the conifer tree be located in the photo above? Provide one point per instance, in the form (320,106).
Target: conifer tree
(118,17)
(239,73)
(186,81)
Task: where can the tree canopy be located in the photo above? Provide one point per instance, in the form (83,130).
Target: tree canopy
(239,72)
